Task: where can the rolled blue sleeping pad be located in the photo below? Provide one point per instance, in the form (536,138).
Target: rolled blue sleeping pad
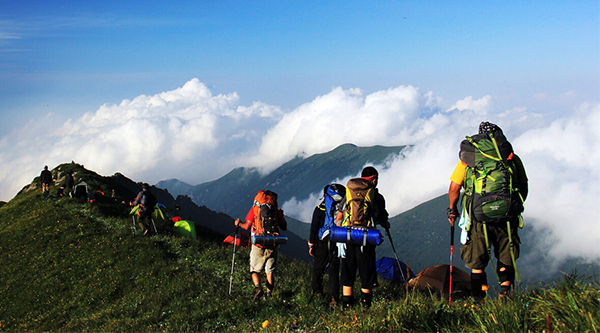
(269,239)
(356,236)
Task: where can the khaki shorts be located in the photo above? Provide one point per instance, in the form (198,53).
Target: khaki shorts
(475,253)
(263,259)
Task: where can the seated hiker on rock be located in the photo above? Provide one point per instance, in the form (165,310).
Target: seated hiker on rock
(265,220)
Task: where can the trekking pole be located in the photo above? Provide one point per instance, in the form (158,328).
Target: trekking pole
(237,228)
(154,225)
(133,229)
(451,252)
(387,231)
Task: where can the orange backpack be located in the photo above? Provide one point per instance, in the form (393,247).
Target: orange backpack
(265,213)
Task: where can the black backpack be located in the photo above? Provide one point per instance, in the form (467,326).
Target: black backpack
(148,199)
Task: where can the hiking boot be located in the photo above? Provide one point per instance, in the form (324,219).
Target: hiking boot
(347,302)
(268,295)
(366,300)
(257,293)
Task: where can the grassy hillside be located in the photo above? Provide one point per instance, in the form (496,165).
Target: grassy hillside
(75,266)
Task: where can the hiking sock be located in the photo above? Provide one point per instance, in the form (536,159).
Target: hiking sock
(366,299)
(478,281)
(347,302)
(508,274)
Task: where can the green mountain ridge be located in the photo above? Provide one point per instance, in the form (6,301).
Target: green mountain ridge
(234,192)
(175,186)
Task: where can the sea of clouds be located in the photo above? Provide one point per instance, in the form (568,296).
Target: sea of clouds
(194,136)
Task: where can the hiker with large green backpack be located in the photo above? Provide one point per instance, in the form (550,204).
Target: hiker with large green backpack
(265,220)
(363,207)
(321,248)
(495,189)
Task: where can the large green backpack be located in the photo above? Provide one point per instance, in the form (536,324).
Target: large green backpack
(491,192)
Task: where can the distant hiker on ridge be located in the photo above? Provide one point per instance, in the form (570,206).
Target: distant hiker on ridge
(69,182)
(46,179)
(371,206)
(266,220)
(324,251)
(495,186)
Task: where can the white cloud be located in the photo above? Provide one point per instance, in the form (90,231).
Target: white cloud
(190,134)
(341,116)
(568,96)
(562,165)
(150,137)
(480,106)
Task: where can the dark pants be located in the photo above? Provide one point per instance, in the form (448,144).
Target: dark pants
(475,253)
(361,258)
(326,253)
(145,219)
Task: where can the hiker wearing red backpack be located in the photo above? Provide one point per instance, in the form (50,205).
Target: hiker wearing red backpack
(265,220)
(366,211)
(495,185)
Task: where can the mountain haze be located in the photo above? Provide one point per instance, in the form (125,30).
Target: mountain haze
(175,186)
(234,193)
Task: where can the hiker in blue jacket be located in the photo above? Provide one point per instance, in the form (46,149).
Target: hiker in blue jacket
(323,251)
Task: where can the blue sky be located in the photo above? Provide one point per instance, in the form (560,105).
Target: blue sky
(192,89)
(72,56)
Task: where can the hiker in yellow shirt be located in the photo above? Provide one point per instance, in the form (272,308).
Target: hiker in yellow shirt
(493,232)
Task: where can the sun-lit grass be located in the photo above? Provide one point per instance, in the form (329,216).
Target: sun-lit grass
(72,266)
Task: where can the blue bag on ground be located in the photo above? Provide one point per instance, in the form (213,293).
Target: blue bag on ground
(387,268)
(356,236)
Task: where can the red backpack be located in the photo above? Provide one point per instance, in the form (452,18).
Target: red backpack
(265,213)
